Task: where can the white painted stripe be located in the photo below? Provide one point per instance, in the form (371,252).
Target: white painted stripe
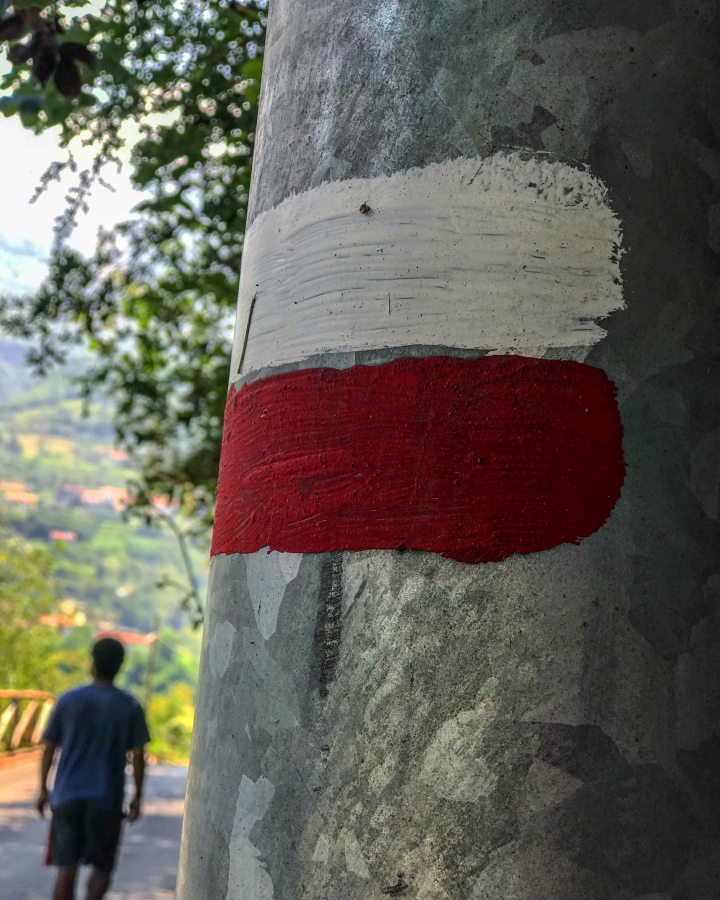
(506,254)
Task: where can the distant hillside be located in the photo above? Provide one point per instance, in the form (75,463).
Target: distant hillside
(61,485)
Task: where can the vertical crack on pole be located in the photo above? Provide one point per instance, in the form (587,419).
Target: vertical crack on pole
(247,335)
(329,622)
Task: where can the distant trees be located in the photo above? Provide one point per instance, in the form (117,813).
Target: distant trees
(31,656)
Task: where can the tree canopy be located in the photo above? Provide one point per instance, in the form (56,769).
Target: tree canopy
(156,301)
(31,655)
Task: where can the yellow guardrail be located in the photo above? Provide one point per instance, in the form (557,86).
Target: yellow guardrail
(23,717)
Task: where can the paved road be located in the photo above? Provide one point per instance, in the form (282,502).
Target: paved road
(149,854)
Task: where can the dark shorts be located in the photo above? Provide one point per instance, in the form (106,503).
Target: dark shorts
(83,832)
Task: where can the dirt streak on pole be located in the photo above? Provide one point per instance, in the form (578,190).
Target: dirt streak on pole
(474,414)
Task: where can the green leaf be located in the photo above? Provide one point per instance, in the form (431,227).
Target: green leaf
(252,92)
(253,68)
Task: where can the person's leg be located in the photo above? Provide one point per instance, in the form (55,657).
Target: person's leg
(97,885)
(103,828)
(64,888)
(66,840)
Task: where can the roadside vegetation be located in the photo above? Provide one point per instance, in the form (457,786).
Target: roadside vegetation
(32,656)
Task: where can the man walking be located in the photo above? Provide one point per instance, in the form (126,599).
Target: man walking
(94,726)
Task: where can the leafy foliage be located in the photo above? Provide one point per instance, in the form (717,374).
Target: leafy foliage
(46,56)
(31,656)
(170,718)
(156,301)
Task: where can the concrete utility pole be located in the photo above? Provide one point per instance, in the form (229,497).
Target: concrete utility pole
(482,661)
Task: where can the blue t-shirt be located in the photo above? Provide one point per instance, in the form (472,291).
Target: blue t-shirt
(95,726)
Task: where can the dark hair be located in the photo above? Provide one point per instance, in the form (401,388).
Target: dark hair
(108,655)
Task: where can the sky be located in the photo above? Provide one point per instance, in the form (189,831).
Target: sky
(25,228)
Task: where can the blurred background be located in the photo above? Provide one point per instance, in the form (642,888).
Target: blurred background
(73,566)
(126,139)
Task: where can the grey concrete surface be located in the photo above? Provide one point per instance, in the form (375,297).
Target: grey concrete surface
(548,727)
(148,856)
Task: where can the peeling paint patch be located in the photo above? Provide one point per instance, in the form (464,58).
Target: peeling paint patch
(221,647)
(382,775)
(268,574)
(547,785)
(453,765)
(248,878)
(211,731)
(273,707)
(322,849)
(354,859)
(273,715)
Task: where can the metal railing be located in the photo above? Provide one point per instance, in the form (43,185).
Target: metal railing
(23,717)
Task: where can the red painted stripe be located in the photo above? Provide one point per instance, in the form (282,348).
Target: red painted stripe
(473,459)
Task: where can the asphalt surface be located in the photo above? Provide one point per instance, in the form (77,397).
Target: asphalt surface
(148,856)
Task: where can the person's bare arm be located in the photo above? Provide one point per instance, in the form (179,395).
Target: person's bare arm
(46,762)
(138,764)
